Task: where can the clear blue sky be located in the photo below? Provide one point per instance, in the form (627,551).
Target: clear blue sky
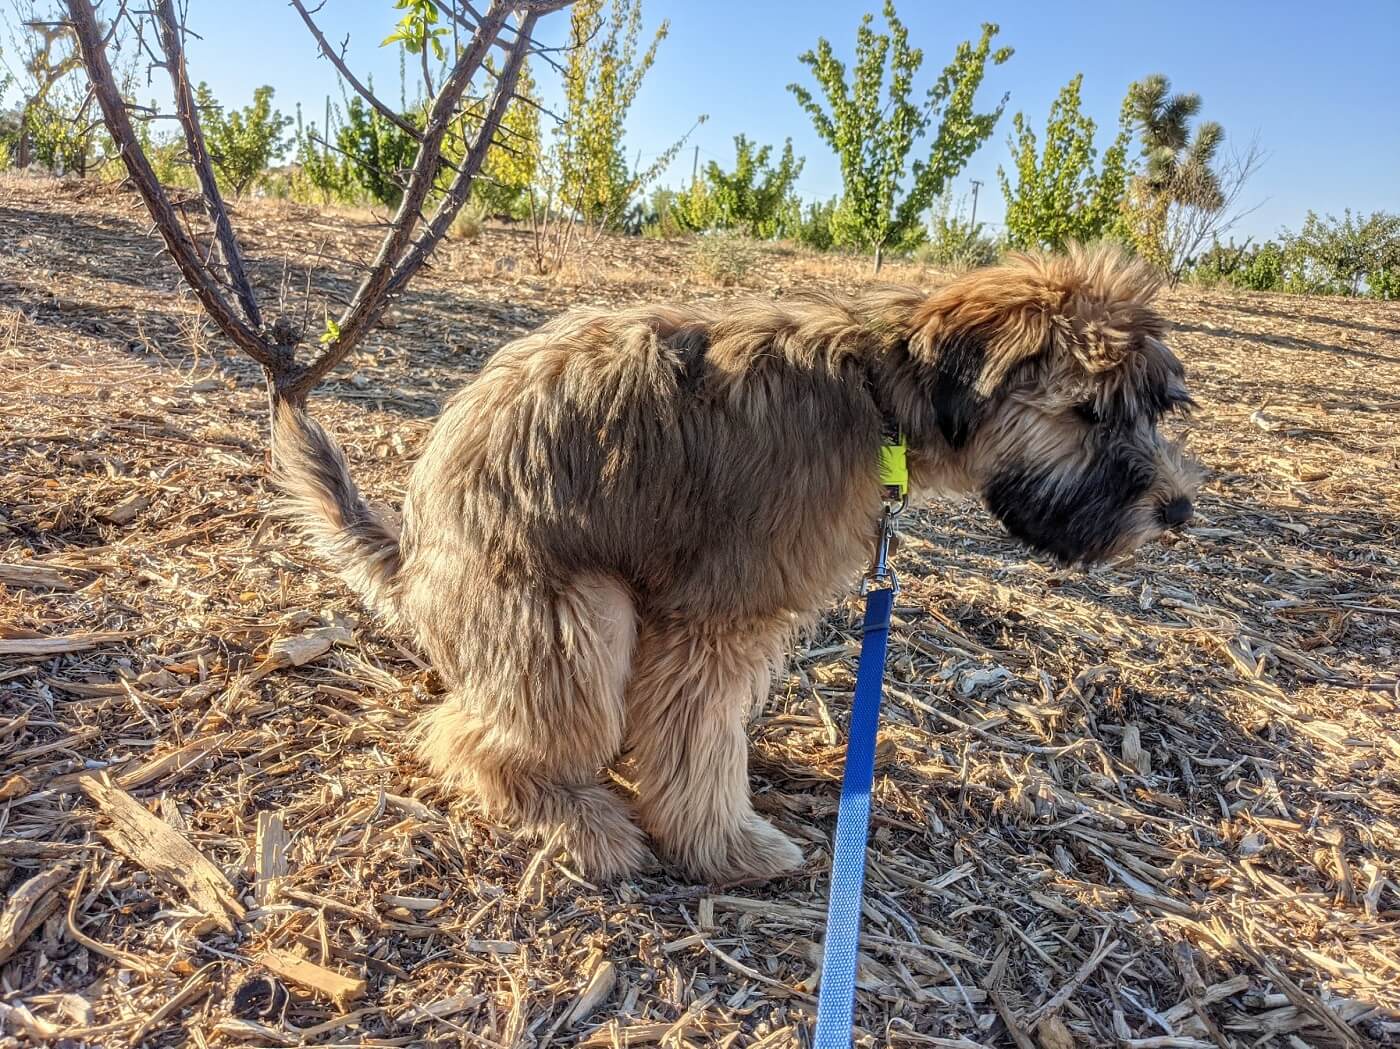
(1316,82)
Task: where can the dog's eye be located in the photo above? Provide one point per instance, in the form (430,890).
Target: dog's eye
(1180,401)
(1088,412)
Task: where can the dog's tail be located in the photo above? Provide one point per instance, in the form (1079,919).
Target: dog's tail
(320,497)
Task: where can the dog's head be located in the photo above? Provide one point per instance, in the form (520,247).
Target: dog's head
(1042,382)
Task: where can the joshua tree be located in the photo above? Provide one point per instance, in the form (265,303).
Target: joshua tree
(1178,168)
(1177,163)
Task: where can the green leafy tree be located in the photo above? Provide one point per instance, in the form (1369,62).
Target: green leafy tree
(1256,267)
(242,142)
(584,184)
(873,130)
(604,72)
(9,129)
(59,137)
(166,152)
(320,171)
(696,208)
(1384,283)
(814,225)
(1059,196)
(662,214)
(1350,255)
(751,197)
(9,119)
(1262,268)
(48,55)
(52,123)
(376,150)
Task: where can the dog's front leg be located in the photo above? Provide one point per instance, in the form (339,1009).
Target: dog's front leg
(691,689)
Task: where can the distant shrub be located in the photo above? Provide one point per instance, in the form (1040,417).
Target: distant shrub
(9,127)
(951,242)
(1257,267)
(375,150)
(1342,256)
(319,174)
(1328,256)
(1263,269)
(469,223)
(813,227)
(955,244)
(1384,283)
(166,152)
(668,213)
(723,258)
(60,138)
(752,197)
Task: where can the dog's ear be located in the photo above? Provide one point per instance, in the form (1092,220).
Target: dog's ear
(1091,305)
(1097,345)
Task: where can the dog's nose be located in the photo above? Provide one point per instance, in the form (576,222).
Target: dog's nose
(1176,513)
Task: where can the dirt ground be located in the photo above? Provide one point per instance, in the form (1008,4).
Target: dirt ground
(1152,805)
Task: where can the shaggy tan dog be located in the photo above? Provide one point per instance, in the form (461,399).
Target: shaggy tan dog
(612,532)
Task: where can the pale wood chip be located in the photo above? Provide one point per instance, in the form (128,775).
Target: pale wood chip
(303,972)
(157,847)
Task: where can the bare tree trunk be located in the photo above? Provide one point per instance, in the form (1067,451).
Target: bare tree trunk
(22,158)
(879,258)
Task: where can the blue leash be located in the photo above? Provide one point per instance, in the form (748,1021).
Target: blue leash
(836,997)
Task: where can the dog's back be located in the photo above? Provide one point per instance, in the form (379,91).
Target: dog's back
(668,448)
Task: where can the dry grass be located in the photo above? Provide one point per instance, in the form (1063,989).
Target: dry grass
(1157,805)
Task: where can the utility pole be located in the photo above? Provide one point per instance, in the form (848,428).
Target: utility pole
(695,168)
(976,185)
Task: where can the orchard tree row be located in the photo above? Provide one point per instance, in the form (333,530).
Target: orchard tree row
(1166,184)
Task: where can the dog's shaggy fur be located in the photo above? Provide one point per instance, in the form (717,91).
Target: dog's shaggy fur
(613,531)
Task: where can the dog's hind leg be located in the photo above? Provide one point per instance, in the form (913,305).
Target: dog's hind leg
(691,689)
(538,714)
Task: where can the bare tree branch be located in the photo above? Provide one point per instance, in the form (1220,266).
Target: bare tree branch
(427,76)
(449,8)
(401,253)
(407,264)
(387,112)
(1191,225)
(370,297)
(456,195)
(182,249)
(229,254)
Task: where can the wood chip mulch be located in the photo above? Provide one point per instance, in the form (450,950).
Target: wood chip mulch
(1152,805)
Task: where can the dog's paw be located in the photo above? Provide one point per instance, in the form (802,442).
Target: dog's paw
(609,851)
(755,851)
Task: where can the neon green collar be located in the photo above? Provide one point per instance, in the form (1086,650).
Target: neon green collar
(894,466)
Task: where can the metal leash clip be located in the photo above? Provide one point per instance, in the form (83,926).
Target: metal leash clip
(894,480)
(881,571)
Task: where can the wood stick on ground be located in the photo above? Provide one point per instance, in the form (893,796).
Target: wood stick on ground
(303,972)
(29,906)
(157,847)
